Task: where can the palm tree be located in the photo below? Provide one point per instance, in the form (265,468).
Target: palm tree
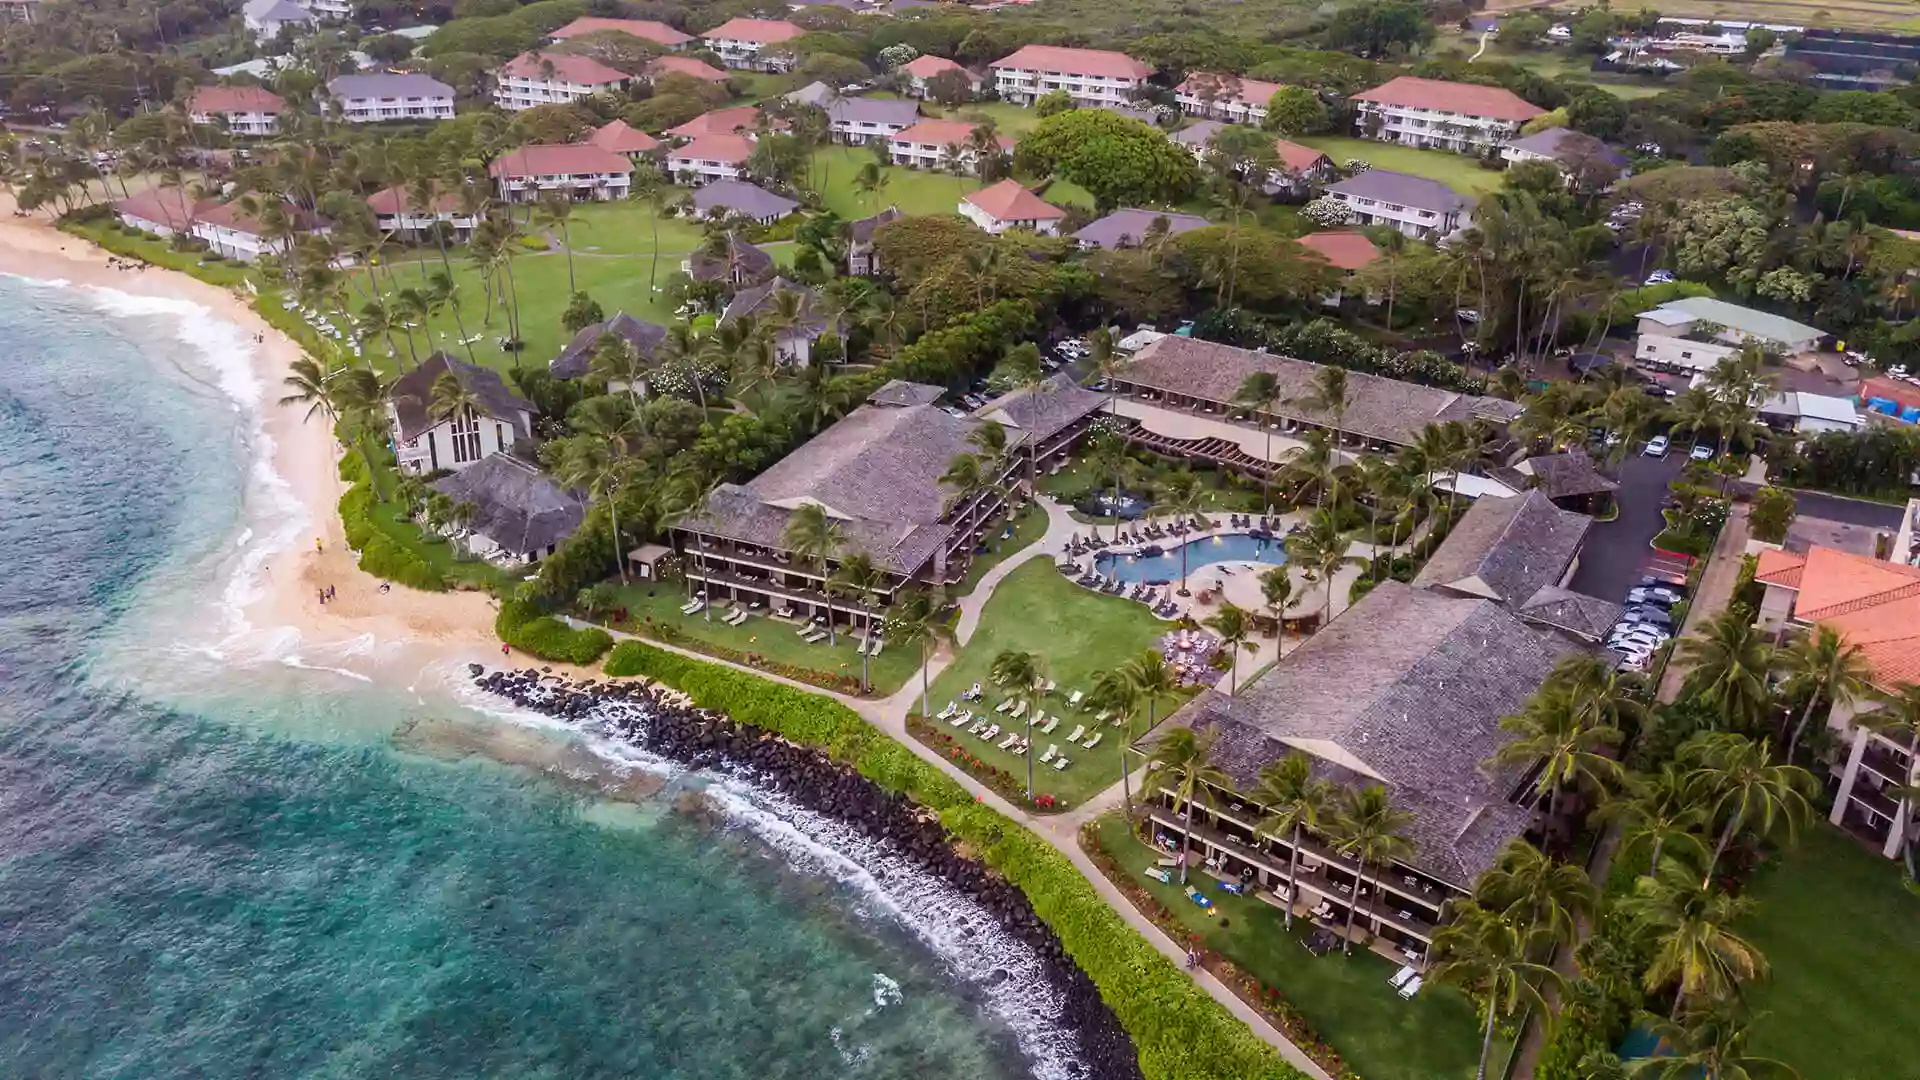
(1482,952)
(1295,803)
(1368,829)
(453,399)
(555,209)
(615,360)
(596,465)
(1020,673)
(1731,661)
(1540,894)
(1660,807)
(1276,588)
(914,620)
(1183,758)
(1182,497)
(1568,742)
(1330,395)
(1151,679)
(1696,411)
(1258,391)
(967,474)
(1235,630)
(1690,926)
(811,534)
(1826,666)
(1321,548)
(1114,693)
(1739,782)
(857,578)
(1107,456)
(1708,1042)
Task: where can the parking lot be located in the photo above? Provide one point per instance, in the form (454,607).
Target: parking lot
(1616,552)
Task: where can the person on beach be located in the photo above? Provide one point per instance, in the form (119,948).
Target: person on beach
(504,651)
(317,545)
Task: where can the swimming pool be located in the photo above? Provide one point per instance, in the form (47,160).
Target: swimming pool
(1165,567)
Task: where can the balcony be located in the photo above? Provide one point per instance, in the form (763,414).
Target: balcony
(1885,762)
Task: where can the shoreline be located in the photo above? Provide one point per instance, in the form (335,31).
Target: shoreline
(413,627)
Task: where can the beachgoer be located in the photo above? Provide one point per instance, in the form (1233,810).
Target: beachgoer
(503,649)
(317,545)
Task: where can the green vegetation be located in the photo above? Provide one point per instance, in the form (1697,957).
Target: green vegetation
(1029,525)
(1842,936)
(1457,171)
(521,625)
(1076,636)
(1346,998)
(914,191)
(1181,1034)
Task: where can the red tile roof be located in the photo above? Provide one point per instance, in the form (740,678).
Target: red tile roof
(232,216)
(1250,92)
(942,132)
(558,160)
(686,65)
(1112,65)
(764,31)
(926,67)
(1345,250)
(1873,605)
(657,32)
(1008,201)
(169,206)
(716,146)
(235,99)
(1299,158)
(718,122)
(396,199)
(566,68)
(621,138)
(1468,99)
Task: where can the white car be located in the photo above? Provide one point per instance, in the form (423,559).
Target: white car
(1660,277)
(1657,447)
(1701,452)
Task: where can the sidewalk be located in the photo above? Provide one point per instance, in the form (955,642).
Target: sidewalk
(1713,595)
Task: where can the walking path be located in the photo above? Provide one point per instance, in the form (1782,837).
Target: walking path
(1713,595)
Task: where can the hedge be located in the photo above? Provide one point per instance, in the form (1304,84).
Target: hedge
(521,625)
(1179,1032)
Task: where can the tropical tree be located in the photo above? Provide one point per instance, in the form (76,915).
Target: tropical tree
(1689,925)
(1152,680)
(1742,786)
(1114,693)
(1659,808)
(1321,548)
(1261,391)
(1827,668)
(1182,497)
(857,579)
(966,475)
(1295,803)
(1370,831)
(598,466)
(1185,766)
(1330,396)
(1236,632)
(812,535)
(1483,953)
(1568,740)
(1021,673)
(913,620)
(453,399)
(1107,456)
(1706,1042)
(1276,588)
(1541,895)
(1731,662)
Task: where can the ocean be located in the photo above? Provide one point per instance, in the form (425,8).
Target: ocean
(229,852)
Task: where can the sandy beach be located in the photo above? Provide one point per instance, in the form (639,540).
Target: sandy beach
(455,626)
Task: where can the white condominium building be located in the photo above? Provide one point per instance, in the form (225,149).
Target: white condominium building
(1432,114)
(1093,77)
(537,78)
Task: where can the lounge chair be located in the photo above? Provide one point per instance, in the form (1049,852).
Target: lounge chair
(1198,897)
(1049,687)
(1019,710)
(814,636)
(961,720)
(977,727)
(1003,706)
(1059,763)
(972,694)
(1103,716)
(1049,754)
(1007,743)
(1079,732)
(1047,728)
(1160,874)
(1410,987)
(992,733)
(689,607)
(783,612)
(1074,700)
(878,644)
(739,616)
(1400,977)
(947,713)
(1095,741)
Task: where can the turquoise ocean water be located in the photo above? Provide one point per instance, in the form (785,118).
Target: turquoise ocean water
(228,853)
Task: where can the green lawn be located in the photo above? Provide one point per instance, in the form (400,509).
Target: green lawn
(1029,525)
(776,640)
(1077,635)
(1457,171)
(914,191)
(627,228)
(1843,937)
(1008,118)
(1347,999)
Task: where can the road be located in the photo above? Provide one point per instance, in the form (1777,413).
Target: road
(1615,554)
(1813,504)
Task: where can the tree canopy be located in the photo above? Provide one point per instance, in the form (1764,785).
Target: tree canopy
(1119,160)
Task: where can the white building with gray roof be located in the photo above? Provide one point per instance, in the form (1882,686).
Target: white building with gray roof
(520,515)
(389,96)
(427,439)
(1416,206)
(1697,332)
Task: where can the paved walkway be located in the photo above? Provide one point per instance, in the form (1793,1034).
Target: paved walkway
(1713,595)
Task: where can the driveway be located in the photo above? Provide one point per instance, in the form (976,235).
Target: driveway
(1874,515)
(1616,551)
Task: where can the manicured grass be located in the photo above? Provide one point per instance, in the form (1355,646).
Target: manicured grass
(1008,118)
(1457,171)
(1843,937)
(1347,999)
(776,640)
(439,552)
(627,228)
(1077,635)
(914,191)
(1860,14)
(1029,525)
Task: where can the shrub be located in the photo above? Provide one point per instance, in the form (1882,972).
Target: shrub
(383,558)
(521,625)
(1178,1031)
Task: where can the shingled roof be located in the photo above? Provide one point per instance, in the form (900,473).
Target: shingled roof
(899,392)
(577,357)
(516,505)
(1506,549)
(753,301)
(753,263)
(1558,476)
(1384,409)
(1046,409)
(1585,617)
(1405,690)
(412,395)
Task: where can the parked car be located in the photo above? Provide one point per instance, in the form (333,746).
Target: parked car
(1647,616)
(1660,277)
(1625,632)
(1701,452)
(1657,446)
(1467,314)
(1655,595)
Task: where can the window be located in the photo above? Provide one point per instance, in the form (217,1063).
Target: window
(466,438)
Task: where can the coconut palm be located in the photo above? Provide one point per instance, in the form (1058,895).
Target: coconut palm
(1296,803)
(1731,662)
(615,360)
(1708,1042)
(1152,680)
(597,466)
(1740,784)
(1541,895)
(1320,547)
(1568,743)
(453,398)
(1186,768)
(1368,830)
(1314,462)
(1021,674)
(555,209)
(1236,632)
(1114,693)
(914,620)
(1659,807)
(1689,925)
(1182,497)
(857,579)
(1330,395)
(1261,391)
(1107,456)
(1276,588)
(1828,668)
(1482,953)
(966,475)
(812,535)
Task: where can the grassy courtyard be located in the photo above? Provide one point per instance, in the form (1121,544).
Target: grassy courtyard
(1843,937)
(1029,525)
(1347,999)
(1457,171)
(1076,635)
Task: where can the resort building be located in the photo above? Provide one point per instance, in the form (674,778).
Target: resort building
(742,43)
(1697,332)
(577,358)
(1583,159)
(1507,550)
(1176,397)
(862,259)
(1008,205)
(793,343)
(1571,480)
(915,74)
(371,99)
(551,78)
(710,158)
(1344,249)
(645,29)
(241,110)
(1046,421)
(1197,137)
(580,171)
(1874,606)
(396,214)
(1433,114)
(268,18)
(934,144)
(623,139)
(232,232)
(520,515)
(426,442)
(162,211)
(1809,414)
(1092,77)
(1131,228)
(857,121)
(1416,206)
(25,11)
(737,198)
(1231,98)
(686,65)
(737,120)
(1302,170)
(737,263)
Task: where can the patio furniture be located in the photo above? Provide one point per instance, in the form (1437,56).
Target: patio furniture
(878,644)
(1074,700)
(1047,728)
(1410,953)
(1095,741)
(1400,977)
(1405,916)
(1079,732)
(1003,706)
(1411,987)
(1159,874)
(1019,710)
(947,713)
(1007,743)
(992,733)
(1059,763)
(1049,686)
(1048,755)
(977,727)
(962,719)
(783,612)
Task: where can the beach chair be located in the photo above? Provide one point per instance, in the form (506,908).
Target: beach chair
(1047,756)
(1003,706)
(1047,728)
(977,727)
(740,617)
(947,713)
(1019,710)
(1160,874)
(1007,743)
(1079,732)
(814,636)
(689,607)
(1095,741)
(961,720)
(878,644)
(972,694)
(1060,763)
(1049,687)
(1073,701)
(1410,987)
(1400,977)
(1104,717)
(992,733)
